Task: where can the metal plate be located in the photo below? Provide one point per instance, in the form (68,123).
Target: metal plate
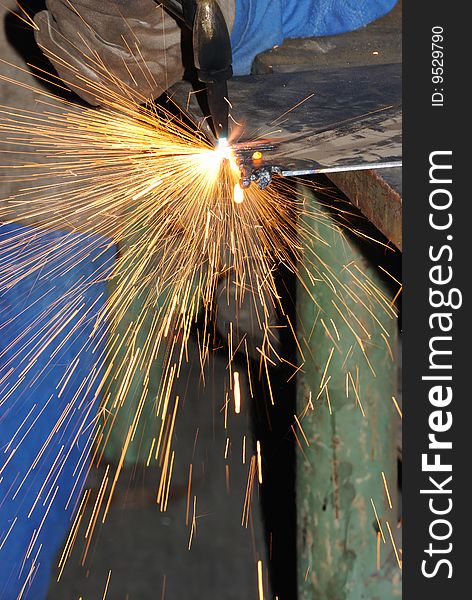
(318,121)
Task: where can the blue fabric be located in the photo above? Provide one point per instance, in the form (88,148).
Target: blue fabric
(54,297)
(262,24)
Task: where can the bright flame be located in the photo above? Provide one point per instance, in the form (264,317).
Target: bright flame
(238,195)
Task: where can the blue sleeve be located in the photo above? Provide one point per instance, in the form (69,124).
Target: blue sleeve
(52,286)
(262,24)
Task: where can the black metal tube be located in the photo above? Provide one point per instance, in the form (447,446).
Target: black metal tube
(212,53)
(213,60)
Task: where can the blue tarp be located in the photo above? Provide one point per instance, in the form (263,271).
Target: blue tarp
(262,24)
(51,290)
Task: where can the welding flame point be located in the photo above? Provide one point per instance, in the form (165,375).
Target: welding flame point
(224,149)
(238,195)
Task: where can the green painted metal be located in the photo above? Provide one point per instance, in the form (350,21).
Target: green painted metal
(138,319)
(341,470)
(133,327)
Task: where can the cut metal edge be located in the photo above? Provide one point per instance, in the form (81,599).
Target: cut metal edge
(340,168)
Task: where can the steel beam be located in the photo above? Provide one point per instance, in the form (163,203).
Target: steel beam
(377,194)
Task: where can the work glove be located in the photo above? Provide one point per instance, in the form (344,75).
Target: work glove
(132,47)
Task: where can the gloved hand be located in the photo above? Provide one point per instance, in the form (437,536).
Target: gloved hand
(123,44)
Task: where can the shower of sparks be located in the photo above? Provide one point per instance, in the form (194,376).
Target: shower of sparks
(238,194)
(136,177)
(301,430)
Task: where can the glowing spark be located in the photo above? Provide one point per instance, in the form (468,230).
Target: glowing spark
(275,121)
(25,18)
(394,545)
(8,532)
(189,487)
(223,149)
(298,441)
(326,367)
(260,580)
(335,329)
(148,462)
(301,430)
(136,175)
(397,407)
(249,489)
(193,528)
(386,490)
(73,534)
(147,189)
(238,194)
(227,479)
(237,393)
(378,521)
(169,479)
(325,385)
(259,461)
(354,387)
(106,585)
(330,408)
(377,553)
(164,583)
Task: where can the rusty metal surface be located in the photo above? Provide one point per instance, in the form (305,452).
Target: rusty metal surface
(377,194)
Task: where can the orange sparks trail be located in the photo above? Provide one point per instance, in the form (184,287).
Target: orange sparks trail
(260,580)
(259,462)
(399,562)
(105,591)
(377,553)
(193,528)
(378,521)
(399,411)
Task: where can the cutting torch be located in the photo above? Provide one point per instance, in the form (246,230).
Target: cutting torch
(213,61)
(212,54)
